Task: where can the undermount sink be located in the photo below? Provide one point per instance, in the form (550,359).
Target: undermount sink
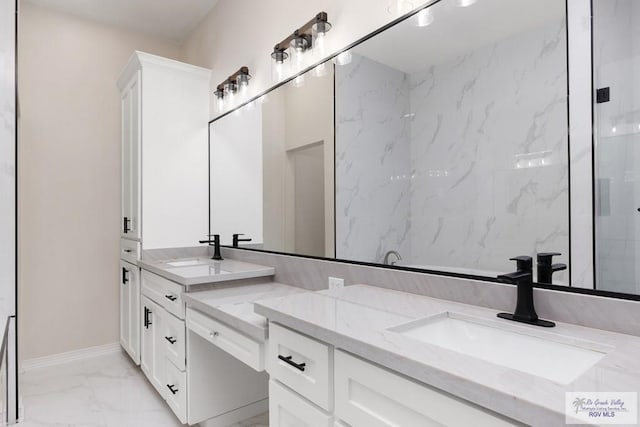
(187,263)
(554,357)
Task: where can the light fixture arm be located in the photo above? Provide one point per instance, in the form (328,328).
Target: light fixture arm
(231,80)
(305,31)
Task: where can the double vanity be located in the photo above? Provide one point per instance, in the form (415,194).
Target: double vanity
(222,342)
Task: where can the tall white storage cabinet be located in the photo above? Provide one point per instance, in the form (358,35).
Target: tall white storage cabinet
(165,111)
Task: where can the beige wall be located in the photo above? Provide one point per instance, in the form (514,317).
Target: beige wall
(70,178)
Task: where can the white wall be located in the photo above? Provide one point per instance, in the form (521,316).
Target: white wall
(70,178)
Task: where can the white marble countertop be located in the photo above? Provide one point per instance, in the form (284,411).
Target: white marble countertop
(233,305)
(357,318)
(202,270)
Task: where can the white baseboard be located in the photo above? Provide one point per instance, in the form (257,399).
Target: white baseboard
(70,356)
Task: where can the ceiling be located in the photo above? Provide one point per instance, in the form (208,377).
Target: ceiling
(458,30)
(168,19)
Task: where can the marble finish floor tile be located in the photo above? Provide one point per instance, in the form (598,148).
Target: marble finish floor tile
(106,391)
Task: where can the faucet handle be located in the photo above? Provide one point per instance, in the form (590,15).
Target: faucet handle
(546,258)
(523,262)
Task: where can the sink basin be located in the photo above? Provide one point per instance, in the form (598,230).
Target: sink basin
(554,357)
(187,263)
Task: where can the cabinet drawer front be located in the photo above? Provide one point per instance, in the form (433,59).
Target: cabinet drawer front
(164,292)
(176,390)
(369,395)
(173,339)
(302,363)
(287,409)
(243,348)
(129,250)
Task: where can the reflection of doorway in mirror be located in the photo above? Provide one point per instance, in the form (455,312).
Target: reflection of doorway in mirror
(306,200)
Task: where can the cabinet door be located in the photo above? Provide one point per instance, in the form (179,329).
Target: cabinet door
(125,306)
(368,395)
(152,358)
(129,310)
(288,409)
(130,126)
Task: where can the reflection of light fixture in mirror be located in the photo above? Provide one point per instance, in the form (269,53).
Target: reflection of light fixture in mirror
(307,37)
(399,7)
(466,3)
(424,17)
(344,58)
(298,81)
(320,70)
(219,94)
(279,57)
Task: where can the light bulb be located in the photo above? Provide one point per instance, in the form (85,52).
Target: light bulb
(424,18)
(614,130)
(344,58)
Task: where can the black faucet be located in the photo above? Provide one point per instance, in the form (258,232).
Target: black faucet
(546,268)
(523,279)
(237,239)
(216,246)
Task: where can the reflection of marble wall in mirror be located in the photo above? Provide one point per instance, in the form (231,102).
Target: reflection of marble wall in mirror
(372,161)
(487,177)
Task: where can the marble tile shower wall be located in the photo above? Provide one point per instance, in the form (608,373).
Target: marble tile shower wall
(372,161)
(616,65)
(489,154)
(463,165)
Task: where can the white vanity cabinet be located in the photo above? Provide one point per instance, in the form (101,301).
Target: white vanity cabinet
(165,111)
(312,384)
(164,115)
(130,309)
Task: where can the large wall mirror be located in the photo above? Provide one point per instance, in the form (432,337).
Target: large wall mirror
(271,169)
(440,143)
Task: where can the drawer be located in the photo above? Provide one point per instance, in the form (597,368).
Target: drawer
(172,335)
(129,250)
(287,409)
(165,292)
(176,392)
(368,395)
(240,346)
(301,363)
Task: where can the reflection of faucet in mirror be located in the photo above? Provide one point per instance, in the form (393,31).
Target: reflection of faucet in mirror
(389,255)
(216,246)
(237,239)
(546,268)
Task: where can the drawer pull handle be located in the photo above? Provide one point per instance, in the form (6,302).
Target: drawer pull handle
(128,250)
(172,388)
(125,279)
(171,340)
(126,227)
(288,361)
(147,322)
(171,297)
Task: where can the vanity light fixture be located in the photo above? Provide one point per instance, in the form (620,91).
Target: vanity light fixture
(299,42)
(228,88)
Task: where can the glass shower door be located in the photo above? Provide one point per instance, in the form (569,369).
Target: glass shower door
(616,79)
